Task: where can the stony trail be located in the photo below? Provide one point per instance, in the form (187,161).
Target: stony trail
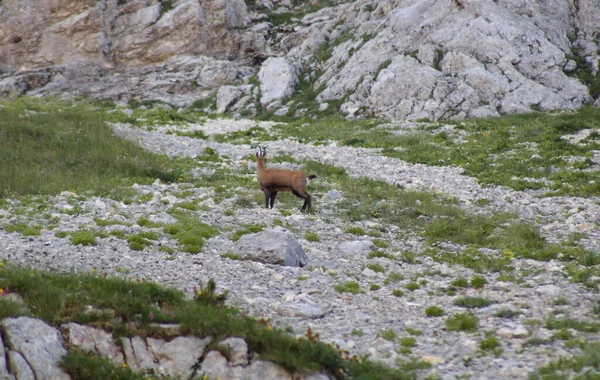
(299,298)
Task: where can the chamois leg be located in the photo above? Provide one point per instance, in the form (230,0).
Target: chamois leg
(267,197)
(304,195)
(273,196)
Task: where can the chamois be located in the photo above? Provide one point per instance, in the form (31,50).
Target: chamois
(272,181)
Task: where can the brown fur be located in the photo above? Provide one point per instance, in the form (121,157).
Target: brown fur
(272,181)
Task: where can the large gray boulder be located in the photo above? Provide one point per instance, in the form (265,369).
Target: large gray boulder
(38,344)
(277,77)
(274,246)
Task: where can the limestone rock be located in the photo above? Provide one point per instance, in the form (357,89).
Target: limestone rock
(19,366)
(238,350)
(38,343)
(274,246)
(141,357)
(356,246)
(176,358)
(277,77)
(302,310)
(228,95)
(3,368)
(93,340)
(548,290)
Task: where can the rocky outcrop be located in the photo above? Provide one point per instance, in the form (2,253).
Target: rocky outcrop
(452,59)
(33,347)
(398,59)
(34,350)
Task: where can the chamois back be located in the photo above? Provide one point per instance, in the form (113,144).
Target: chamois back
(272,180)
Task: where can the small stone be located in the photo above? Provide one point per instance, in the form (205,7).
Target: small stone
(513,331)
(548,290)
(356,246)
(302,310)
(334,195)
(433,360)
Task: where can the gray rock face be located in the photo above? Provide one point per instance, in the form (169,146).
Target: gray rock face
(238,350)
(38,344)
(3,368)
(176,358)
(441,59)
(19,366)
(93,340)
(277,78)
(228,95)
(275,246)
(396,59)
(215,365)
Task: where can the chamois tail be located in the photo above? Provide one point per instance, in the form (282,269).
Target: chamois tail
(312,176)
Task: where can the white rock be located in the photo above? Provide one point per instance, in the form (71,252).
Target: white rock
(548,290)
(277,77)
(38,343)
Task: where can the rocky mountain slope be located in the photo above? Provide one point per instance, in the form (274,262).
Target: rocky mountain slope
(399,59)
(370,286)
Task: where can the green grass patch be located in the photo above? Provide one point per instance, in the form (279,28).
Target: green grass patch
(231,256)
(83,237)
(577,367)
(553,323)
(311,236)
(507,313)
(47,146)
(434,311)
(489,343)
(189,231)
(352,287)
(408,341)
(376,268)
(23,229)
(460,282)
(249,229)
(462,322)
(388,334)
(472,302)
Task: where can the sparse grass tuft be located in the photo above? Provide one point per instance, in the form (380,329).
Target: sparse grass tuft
(311,236)
(83,237)
(472,302)
(352,287)
(248,229)
(388,334)
(462,322)
(434,311)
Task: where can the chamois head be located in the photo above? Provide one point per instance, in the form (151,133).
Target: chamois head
(272,181)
